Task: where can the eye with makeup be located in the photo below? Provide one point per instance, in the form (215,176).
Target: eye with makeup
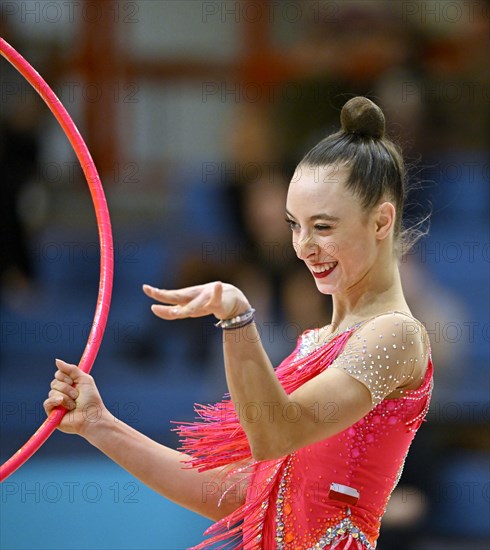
(321,227)
(292,224)
(318,227)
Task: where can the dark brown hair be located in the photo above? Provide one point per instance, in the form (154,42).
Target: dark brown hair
(377,169)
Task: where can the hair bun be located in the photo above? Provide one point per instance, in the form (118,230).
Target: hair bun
(363,117)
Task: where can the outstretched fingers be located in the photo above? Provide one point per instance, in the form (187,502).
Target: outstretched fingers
(179,304)
(173,297)
(218,299)
(194,308)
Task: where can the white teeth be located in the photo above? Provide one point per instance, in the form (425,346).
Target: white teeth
(324,267)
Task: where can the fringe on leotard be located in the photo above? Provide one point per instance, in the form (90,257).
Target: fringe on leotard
(216,439)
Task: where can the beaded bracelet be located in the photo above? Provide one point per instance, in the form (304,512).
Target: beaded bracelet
(237,322)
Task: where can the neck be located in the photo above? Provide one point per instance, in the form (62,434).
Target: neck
(378,291)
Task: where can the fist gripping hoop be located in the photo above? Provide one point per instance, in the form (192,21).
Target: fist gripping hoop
(105,240)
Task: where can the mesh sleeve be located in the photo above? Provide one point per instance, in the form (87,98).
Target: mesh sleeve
(385,353)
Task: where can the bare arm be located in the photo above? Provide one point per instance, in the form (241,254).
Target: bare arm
(382,358)
(260,401)
(277,424)
(157,466)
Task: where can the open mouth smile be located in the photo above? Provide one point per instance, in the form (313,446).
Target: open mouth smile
(323,270)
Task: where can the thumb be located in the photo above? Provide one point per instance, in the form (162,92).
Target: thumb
(215,302)
(218,292)
(69,369)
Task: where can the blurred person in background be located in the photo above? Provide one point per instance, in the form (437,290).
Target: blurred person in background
(19,151)
(268,271)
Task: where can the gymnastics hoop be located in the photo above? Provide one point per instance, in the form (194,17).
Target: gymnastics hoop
(106,249)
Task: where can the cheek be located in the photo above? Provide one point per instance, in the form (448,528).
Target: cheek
(330,248)
(352,249)
(357,252)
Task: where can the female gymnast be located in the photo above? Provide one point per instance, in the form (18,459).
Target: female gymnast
(305,455)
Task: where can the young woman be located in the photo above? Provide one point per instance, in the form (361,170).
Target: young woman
(305,455)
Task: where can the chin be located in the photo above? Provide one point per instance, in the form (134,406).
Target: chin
(325,288)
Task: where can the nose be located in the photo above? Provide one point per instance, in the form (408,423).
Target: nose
(305,247)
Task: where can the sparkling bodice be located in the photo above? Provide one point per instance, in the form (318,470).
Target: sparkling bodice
(302,511)
(333,493)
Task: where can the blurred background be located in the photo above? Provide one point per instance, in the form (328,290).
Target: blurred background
(196,113)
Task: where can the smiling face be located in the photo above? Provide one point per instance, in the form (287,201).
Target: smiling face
(335,237)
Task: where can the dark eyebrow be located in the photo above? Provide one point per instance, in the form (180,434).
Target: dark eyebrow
(321,216)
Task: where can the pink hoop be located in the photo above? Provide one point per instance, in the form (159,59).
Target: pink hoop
(105,240)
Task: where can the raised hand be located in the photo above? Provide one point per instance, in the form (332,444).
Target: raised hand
(222,300)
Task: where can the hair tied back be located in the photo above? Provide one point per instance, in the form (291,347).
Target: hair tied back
(362,117)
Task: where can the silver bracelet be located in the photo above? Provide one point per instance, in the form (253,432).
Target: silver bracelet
(237,322)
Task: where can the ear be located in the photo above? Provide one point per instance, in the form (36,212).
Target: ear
(384,220)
